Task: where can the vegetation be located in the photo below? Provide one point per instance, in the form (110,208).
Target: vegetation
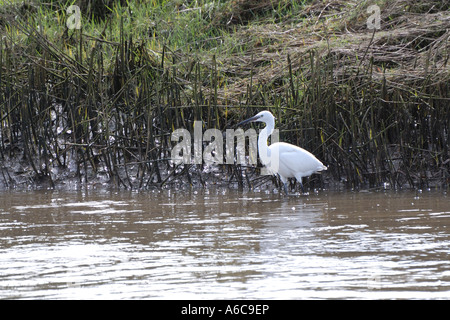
(97,105)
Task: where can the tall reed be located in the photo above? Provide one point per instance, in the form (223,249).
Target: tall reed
(101,112)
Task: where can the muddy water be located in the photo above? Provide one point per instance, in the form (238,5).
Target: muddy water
(224,244)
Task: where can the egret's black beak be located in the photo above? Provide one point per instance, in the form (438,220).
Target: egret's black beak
(248,120)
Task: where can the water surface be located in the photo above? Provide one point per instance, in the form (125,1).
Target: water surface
(222,244)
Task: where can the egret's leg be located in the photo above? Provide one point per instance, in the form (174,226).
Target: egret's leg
(285,181)
(299,179)
(301,186)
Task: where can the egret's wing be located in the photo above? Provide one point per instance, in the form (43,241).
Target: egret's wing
(298,159)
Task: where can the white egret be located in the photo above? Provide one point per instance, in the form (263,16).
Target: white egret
(282,158)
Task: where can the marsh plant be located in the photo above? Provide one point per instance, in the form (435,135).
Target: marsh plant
(92,96)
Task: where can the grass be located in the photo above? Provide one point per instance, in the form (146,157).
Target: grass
(98,104)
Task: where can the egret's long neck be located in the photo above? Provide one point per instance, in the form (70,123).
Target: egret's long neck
(264,152)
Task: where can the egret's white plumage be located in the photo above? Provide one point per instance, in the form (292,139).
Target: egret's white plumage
(292,161)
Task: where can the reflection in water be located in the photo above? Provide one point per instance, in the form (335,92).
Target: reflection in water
(224,244)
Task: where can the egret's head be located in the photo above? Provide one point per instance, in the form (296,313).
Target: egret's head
(263,116)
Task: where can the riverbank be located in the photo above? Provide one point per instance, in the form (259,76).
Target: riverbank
(96,106)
